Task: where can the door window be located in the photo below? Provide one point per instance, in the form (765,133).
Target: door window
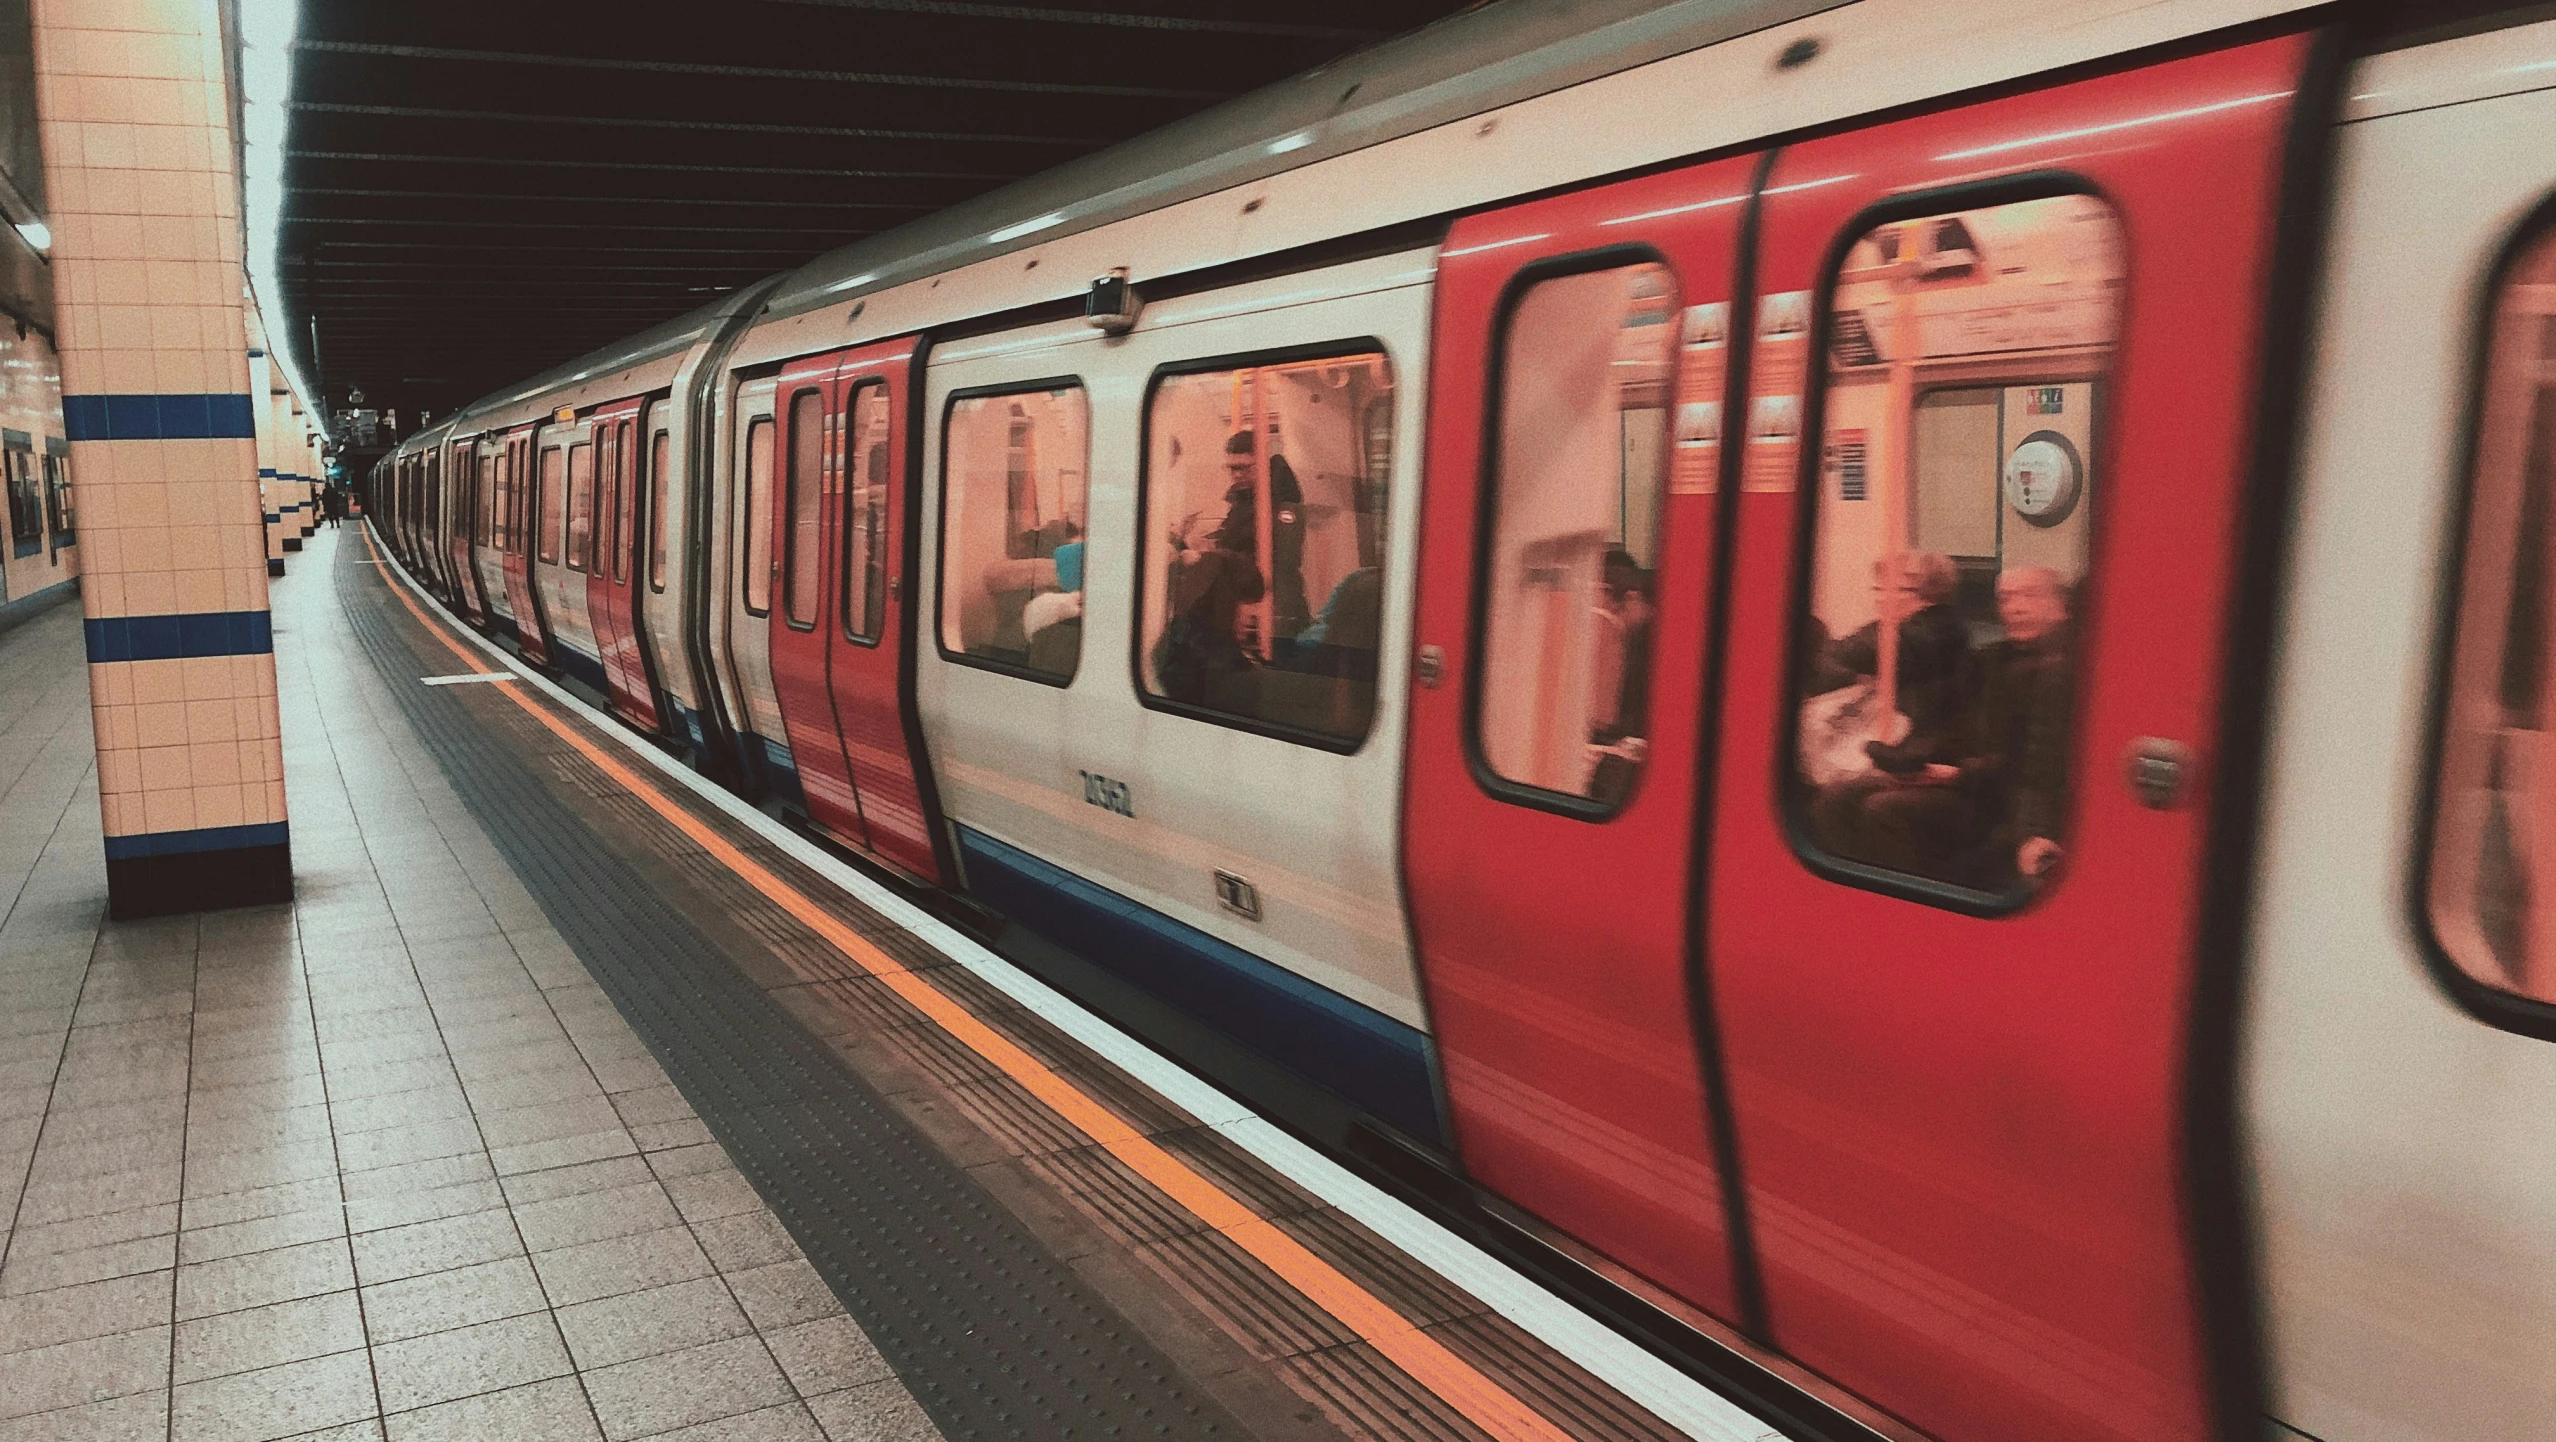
(607,496)
(865,538)
(1013,474)
(1578,478)
(660,462)
(800,571)
(1967,352)
(2491,892)
(625,501)
(581,507)
(758,516)
(547,499)
(1263,543)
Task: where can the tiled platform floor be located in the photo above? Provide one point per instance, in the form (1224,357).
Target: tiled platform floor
(384,1163)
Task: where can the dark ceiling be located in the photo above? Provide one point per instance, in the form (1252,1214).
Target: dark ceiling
(479,189)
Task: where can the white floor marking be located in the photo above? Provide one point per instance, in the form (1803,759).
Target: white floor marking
(1612,1358)
(466,678)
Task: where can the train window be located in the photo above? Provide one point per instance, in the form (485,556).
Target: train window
(1013,473)
(581,507)
(57,491)
(607,495)
(2489,892)
(758,516)
(865,491)
(625,501)
(548,503)
(1564,696)
(801,572)
(1271,625)
(26,495)
(1967,352)
(660,463)
(487,534)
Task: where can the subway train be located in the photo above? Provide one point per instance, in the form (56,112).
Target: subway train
(1865,679)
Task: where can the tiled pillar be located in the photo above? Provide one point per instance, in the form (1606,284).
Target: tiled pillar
(270,487)
(286,494)
(135,119)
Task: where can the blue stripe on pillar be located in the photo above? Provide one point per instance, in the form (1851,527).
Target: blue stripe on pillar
(209,838)
(157,418)
(266,473)
(168,638)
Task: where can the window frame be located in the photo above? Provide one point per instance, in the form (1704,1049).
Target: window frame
(1487,495)
(745,514)
(1790,794)
(786,507)
(887,534)
(1346,348)
(2493,1005)
(1034,385)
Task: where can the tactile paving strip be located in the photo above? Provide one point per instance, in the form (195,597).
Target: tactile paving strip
(993,1335)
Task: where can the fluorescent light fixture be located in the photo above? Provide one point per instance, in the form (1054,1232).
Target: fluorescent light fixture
(1027,227)
(266,93)
(864,278)
(38,234)
(1285,143)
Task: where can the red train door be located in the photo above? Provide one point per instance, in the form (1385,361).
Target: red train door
(609,598)
(523,519)
(810,479)
(461,466)
(1581,358)
(867,631)
(1999,433)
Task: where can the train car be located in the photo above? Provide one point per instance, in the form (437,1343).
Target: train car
(1866,679)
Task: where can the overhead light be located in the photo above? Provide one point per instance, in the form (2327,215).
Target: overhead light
(266,94)
(38,234)
(1285,143)
(1027,227)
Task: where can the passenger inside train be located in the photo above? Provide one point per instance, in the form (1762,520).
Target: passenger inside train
(1582,470)
(1018,469)
(1230,627)
(1966,359)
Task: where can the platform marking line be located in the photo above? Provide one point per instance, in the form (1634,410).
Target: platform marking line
(1668,1392)
(466,678)
(1483,1401)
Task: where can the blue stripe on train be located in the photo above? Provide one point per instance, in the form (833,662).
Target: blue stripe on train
(1355,1051)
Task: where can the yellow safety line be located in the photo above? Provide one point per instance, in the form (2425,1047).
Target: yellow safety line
(1484,1402)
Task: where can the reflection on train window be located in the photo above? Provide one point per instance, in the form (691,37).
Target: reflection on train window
(660,461)
(758,516)
(581,507)
(801,572)
(865,488)
(1966,360)
(1275,624)
(1013,480)
(547,502)
(2492,888)
(1566,645)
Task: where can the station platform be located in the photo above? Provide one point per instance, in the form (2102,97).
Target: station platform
(571,1099)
